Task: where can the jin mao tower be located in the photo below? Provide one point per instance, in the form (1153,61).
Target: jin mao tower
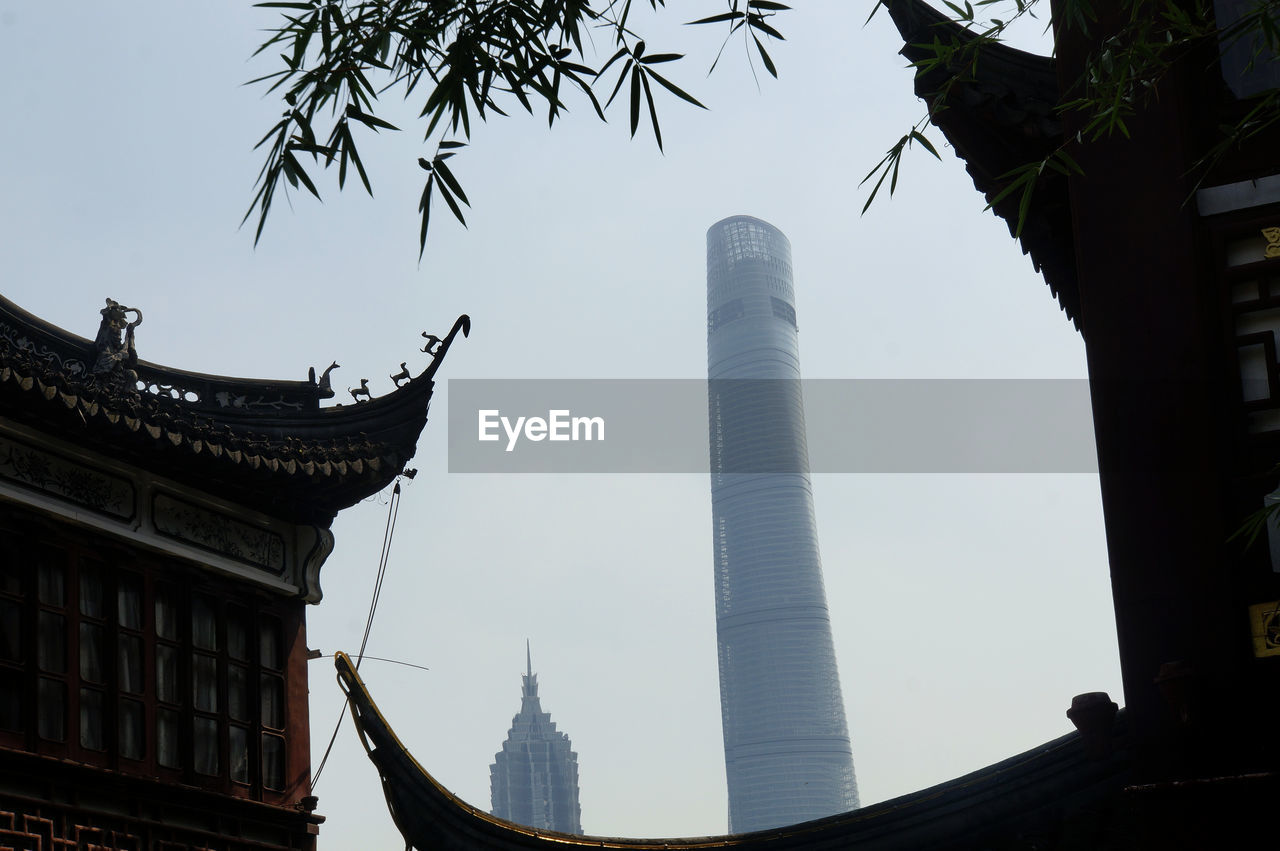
(534,778)
(786,741)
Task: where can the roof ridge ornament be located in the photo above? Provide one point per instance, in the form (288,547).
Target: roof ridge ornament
(116,356)
(437,347)
(263,442)
(433,344)
(324,387)
(362,390)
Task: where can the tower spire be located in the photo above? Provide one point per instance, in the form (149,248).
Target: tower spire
(530,689)
(533,780)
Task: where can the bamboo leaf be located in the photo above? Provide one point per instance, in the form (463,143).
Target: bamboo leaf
(447,176)
(925,143)
(453,205)
(758,22)
(674,89)
(635,99)
(350,149)
(368,120)
(424,207)
(618,87)
(605,67)
(1018,176)
(715,19)
(296,173)
(1024,205)
(764,57)
(653,113)
(875,189)
(342,167)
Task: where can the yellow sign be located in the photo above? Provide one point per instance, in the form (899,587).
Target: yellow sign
(1264,622)
(1272,236)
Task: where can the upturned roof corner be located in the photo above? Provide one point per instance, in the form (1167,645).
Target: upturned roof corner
(266,443)
(998,108)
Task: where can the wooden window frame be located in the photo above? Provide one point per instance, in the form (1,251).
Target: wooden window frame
(25,540)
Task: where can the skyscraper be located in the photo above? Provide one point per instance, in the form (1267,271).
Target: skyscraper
(786,742)
(534,778)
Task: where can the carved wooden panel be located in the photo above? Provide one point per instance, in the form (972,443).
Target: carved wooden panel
(48,827)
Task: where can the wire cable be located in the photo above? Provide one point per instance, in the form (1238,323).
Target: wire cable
(382,659)
(392,513)
(393,510)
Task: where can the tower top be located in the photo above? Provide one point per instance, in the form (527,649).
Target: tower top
(742,243)
(742,218)
(530,685)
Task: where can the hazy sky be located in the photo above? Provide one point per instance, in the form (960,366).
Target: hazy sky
(967,609)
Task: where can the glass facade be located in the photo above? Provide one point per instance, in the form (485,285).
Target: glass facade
(786,741)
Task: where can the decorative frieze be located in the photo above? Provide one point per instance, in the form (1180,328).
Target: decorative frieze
(66,479)
(20,340)
(218,532)
(93,490)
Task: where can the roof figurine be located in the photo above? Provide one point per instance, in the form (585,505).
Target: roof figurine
(324,386)
(116,356)
(362,390)
(264,442)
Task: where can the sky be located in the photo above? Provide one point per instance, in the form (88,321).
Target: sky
(967,610)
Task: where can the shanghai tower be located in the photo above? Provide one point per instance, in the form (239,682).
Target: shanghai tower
(786,742)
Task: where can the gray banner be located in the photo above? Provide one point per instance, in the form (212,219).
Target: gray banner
(851,426)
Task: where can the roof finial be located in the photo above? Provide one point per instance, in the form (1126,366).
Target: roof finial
(528,656)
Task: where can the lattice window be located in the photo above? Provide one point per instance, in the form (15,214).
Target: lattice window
(147,667)
(1252,279)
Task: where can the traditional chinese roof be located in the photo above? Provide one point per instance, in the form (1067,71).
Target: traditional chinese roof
(265,444)
(997,106)
(1058,795)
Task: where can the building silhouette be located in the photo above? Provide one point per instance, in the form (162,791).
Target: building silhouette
(786,742)
(162,534)
(534,778)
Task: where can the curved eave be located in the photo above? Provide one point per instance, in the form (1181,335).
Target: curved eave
(998,116)
(197,390)
(1050,791)
(281,453)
